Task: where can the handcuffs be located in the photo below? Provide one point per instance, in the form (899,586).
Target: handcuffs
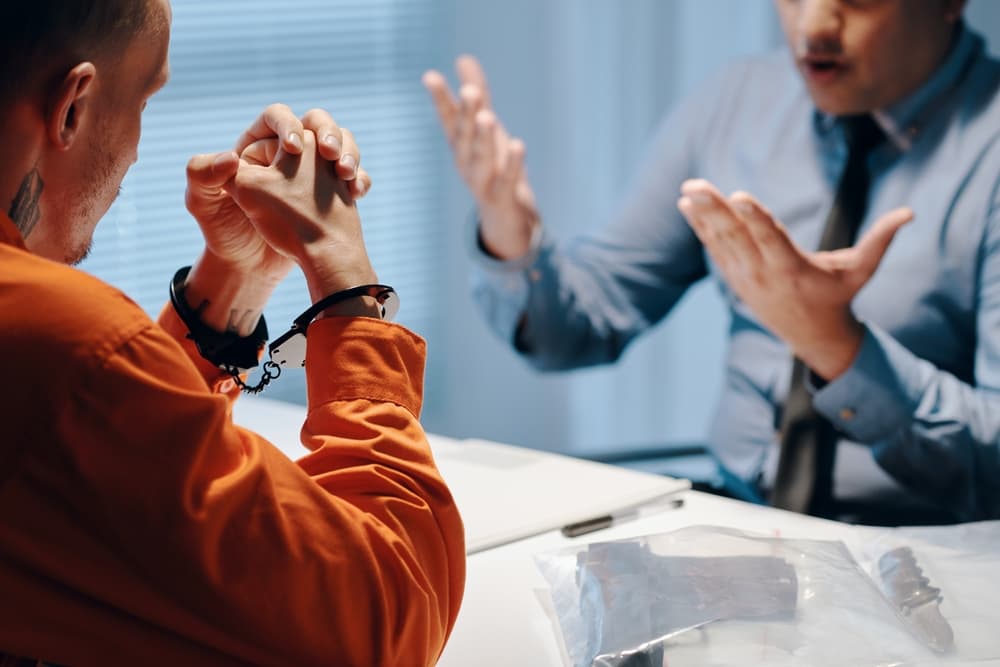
(237,354)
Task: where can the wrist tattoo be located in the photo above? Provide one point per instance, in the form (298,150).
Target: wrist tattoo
(241,323)
(24,208)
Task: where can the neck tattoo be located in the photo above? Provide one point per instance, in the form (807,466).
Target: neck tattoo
(24,209)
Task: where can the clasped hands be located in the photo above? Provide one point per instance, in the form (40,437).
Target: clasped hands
(283,196)
(804,298)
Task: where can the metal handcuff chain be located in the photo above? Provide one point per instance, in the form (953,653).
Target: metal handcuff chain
(271,371)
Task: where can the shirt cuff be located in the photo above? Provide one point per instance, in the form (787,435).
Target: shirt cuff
(500,287)
(361,358)
(878,394)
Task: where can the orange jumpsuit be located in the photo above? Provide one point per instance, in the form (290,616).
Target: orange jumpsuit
(140,526)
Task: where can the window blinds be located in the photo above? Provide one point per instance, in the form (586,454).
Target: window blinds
(362,61)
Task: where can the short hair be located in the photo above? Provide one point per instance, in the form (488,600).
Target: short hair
(40,39)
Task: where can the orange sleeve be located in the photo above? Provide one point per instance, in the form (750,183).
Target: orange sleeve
(154,531)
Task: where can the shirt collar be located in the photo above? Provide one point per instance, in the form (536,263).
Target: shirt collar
(903,120)
(9,233)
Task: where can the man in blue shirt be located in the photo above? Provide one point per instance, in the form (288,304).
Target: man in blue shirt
(902,338)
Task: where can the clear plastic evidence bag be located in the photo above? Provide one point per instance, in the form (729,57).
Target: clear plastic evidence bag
(717,596)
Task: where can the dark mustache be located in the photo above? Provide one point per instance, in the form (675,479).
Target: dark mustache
(820,47)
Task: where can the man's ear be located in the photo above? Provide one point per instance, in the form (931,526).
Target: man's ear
(69,104)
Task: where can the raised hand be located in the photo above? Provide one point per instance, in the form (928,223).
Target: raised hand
(229,235)
(490,161)
(803,298)
(235,276)
(227,230)
(304,211)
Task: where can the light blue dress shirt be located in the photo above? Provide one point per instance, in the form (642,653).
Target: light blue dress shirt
(920,407)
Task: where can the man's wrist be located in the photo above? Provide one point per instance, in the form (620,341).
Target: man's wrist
(227,298)
(236,353)
(359,306)
(830,357)
(325,277)
(514,239)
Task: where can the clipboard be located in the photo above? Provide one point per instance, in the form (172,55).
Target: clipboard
(506,493)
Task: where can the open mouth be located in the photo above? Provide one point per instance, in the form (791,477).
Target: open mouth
(822,68)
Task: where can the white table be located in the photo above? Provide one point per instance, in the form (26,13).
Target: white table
(503,622)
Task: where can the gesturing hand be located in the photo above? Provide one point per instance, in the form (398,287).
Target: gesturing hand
(490,162)
(803,298)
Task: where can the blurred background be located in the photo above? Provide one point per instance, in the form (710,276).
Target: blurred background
(583,82)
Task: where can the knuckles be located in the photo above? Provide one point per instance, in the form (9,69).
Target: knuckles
(278,109)
(316,117)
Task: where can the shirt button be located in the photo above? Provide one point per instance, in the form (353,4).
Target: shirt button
(226,386)
(847,414)
(535,275)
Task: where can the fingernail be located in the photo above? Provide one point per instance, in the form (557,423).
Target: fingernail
(295,140)
(349,162)
(743,206)
(361,189)
(332,142)
(701,198)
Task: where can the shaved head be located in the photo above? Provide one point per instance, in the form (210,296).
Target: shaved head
(41,39)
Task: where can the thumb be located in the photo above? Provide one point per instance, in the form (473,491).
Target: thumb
(873,245)
(208,172)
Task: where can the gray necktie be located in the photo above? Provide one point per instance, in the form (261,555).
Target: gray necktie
(804,481)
